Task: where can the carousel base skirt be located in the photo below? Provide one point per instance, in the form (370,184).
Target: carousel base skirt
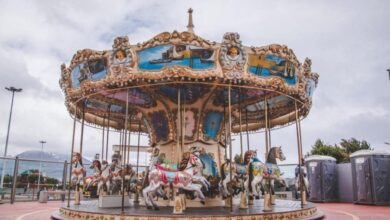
(283,209)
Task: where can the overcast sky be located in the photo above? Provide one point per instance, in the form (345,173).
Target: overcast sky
(348,42)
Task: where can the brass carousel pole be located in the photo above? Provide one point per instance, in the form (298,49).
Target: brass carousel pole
(178,131)
(230,145)
(136,200)
(124,157)
(299,142)
(103,128)
(108,131)
(82,132)
(71,155)
(129,142)
(247,131)
(266,128)
(183,125)
(240,118)
(224,126)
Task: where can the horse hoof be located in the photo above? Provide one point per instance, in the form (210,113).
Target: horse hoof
(156,208)
(149,207)
(203,202)
(257,197)
(165,197)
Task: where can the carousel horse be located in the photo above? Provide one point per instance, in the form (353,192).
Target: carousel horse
(239,174)
(301,182)
(116,178)
(78,173)
(179,179)
(130,179)
(104,180)
(95,178)
(256,171)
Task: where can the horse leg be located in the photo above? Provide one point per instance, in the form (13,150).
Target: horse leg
(145,193)
(154,189)
(192,187)
(225,188)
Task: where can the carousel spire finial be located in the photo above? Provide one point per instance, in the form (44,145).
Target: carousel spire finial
(190,25)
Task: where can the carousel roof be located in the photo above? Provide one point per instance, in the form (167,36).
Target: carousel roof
(149,81)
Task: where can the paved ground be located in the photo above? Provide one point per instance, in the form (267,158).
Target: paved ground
(333,211)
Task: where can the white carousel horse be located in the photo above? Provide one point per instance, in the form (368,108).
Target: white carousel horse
(104,180)
(298,181)
(78,173)
(198,168)
(180,179)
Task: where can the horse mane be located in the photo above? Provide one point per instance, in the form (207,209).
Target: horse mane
(183,163)
(99,165)
(271,157)
(247,156)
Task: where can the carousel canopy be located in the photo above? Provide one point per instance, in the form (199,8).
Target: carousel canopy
(143,86)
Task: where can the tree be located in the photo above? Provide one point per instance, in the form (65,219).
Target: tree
(340,153)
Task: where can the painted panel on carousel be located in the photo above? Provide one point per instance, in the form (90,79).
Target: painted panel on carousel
(210,168)
(310,87)
(136,97)
(212,123)
(222,96)
(189,122)
(102,106)
(91,70)
(188,94)
(270,65)
(159,123)
(158,57)
(275,102)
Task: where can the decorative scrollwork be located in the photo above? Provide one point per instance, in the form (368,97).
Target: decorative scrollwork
(232,56)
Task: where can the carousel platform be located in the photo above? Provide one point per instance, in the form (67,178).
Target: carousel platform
(284,209)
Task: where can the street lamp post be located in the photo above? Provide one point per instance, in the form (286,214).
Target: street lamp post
(40,164)
(13,90)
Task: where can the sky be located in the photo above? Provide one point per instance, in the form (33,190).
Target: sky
(347,41)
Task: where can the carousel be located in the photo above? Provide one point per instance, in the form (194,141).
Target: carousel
(189,95)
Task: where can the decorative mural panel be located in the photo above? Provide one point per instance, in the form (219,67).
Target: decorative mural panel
(210,168)
(137,96)
(159,122)
(90,70)
(102,106)
(270,65)
(275,102)
(190,119)
(188,94)
(222,96)
(310,87)
(212,124)
(158,57)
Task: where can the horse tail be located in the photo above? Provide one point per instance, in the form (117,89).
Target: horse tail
(145,183)
(250,177)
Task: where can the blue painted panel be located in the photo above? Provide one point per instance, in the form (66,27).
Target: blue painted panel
(158,57)
(160,124)
(212,124)
(91,70)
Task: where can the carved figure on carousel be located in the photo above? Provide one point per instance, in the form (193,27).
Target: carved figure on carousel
(130,179)
(301,180)
(78,174)
(92,181)
(183,179)
(115,170)
(104,180)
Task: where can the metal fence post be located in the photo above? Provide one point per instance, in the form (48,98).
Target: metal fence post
(14,180)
